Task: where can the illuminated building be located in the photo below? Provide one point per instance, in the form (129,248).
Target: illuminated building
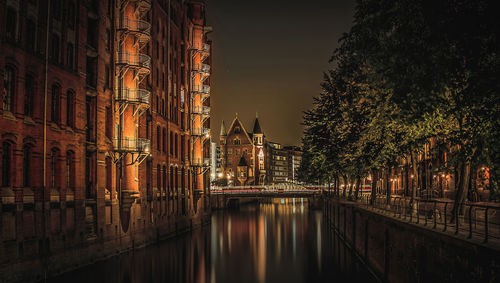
(104,122)
(243,156)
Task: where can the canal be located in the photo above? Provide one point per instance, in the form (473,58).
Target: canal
(277,240)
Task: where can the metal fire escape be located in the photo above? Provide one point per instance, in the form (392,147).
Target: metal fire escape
(199,112)
(140,66)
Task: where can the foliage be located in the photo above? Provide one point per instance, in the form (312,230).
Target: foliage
(408,71)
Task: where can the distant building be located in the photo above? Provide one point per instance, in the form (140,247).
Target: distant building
(243,154)
(278,163)
(294,154)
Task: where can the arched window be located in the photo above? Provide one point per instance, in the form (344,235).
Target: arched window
(158,177)
(164,178)
(54,170)
(158,138)
(9,80)
(70,109)
(6,163)
(176,146)
(164,140)
(108,173)
(26,166)
(70,169)
(55,104)
(29,88)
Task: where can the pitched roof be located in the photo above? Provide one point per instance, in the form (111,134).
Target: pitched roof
(256,126)
(242,162)
(223,131)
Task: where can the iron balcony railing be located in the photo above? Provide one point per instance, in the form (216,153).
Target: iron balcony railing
(200,132)
(134,60)
(131,144)
(202,110)
(202,68)
(133,95)
(204,47)
(200,162)
(133,25)
(201,89)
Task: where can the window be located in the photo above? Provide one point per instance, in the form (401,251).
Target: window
(158,138)
(70,56)
(53,168)
(158,177)
(70,169)
(56,9)
(171,143)
(176,146)
(109,123)
(29,88)
(107,82)
(9,83)
(236,141)
(164,140)
(30,35)
(108,173)
(108,39)
(6,163)
(70,109)
(71,15)
(55,104)
(54,50)
(237,130)
(26,166)
(11,24)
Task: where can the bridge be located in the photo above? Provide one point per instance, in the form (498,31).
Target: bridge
(284,190)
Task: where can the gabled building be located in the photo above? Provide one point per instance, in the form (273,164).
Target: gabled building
(243,154)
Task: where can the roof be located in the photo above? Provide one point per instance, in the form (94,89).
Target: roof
(242,162)
(256,126)
(223,131)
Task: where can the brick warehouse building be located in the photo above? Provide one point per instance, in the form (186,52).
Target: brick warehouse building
(243,154)
(104,123)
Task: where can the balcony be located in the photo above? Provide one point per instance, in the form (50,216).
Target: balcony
(141,29)
(200,162)
(140,62)
(202,68)
(131,145)
(141,5)
(203,89)
(200,110)
(203,47)
(202,132)
(133,96)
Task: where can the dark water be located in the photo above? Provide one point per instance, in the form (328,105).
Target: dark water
(281,240)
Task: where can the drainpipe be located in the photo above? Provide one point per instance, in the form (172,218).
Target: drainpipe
(44,156)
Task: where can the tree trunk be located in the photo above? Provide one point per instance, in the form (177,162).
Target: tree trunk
(387,187)
(463,187)
(374,189)
(351,184)
(345,186)
(414,186)
(358,184)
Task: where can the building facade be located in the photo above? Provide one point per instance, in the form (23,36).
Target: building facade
(294,157)
(243,154)
(278,163)
(104,122)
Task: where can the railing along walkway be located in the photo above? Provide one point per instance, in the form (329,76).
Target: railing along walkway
(475,221)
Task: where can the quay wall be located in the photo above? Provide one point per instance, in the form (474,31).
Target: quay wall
(398,251)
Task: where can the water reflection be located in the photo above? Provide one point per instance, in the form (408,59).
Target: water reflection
(279,240)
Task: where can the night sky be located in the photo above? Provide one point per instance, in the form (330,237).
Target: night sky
(268,57)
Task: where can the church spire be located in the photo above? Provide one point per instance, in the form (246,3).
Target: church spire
(223,131)
(256,125)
